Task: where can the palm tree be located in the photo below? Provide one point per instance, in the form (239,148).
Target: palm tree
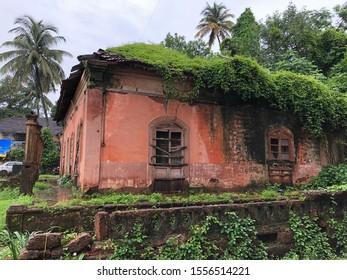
(32,57)
(215,22)
(32,97)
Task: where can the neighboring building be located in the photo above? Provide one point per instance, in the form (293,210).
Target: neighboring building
(122,132)
(14,128)
(13,131)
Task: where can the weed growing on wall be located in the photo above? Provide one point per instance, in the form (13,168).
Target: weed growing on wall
(340,235)
(154,198)
(234,238)
(128,247)
(311,243)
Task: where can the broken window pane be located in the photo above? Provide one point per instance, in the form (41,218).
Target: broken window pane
(274,148)
(168,147)
(275,155)
(176,135)
(284,149)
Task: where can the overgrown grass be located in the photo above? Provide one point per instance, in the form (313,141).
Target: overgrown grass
(154,198)
(337,188)
(9,196)
(39,186)
(48,176)
(13,242)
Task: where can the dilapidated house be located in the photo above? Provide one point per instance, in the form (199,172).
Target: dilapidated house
(125,128)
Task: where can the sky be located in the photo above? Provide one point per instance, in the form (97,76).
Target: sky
(89,25)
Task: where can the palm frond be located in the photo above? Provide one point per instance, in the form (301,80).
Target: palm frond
(215,21)
(32,60)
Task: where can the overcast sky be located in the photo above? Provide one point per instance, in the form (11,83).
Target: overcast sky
(88,25)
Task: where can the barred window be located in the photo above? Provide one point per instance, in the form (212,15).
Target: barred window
(168,145)
(281,145)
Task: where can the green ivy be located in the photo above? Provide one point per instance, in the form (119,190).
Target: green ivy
(234,238)
(127,248)
(240,79)
(311,243)
(340,234)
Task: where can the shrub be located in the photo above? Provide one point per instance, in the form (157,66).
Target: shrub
(128,247)
(330,175)
(50,154)
(16,154)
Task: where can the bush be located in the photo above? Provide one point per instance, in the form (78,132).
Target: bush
(51,153)
(16,154)
(242,80)
(330,175)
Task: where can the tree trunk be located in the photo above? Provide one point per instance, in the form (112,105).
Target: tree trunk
(40,92)
(44,108)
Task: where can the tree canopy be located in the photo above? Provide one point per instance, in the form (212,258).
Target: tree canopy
(191,48)
(245,37)
(13,101)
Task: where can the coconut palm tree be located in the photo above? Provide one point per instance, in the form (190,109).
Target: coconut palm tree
(32,97)
(32,57)
(215,22)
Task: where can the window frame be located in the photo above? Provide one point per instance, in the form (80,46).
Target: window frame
(283,140)
(170,128)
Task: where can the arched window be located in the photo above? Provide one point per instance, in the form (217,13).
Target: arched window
(167,144)
(168,154)
(281,145)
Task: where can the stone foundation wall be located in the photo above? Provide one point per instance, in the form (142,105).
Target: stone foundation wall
(113,221)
